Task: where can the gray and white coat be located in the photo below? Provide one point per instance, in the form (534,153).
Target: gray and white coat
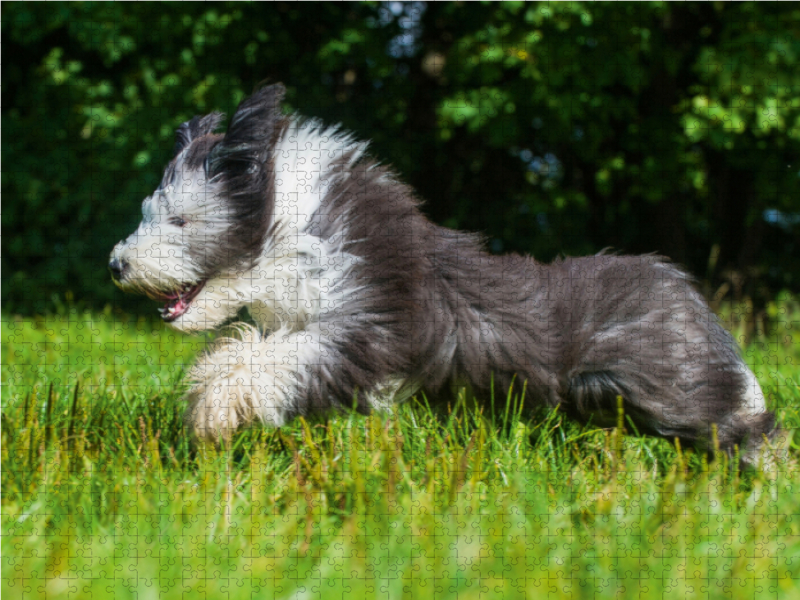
(359,298)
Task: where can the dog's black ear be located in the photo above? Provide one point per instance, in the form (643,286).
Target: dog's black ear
(242,159)
(197,127)
(251,135)
(256,119)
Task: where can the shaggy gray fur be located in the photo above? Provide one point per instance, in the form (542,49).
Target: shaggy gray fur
(427,306)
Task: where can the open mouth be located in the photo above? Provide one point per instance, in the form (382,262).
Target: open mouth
(178,302)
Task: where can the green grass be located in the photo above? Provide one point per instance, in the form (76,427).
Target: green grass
(103,496)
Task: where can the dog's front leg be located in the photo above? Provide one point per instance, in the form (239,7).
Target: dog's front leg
(247,378)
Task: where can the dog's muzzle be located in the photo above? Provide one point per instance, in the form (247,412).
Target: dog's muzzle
(117,268)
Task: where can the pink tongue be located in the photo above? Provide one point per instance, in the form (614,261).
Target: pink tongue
(178,306)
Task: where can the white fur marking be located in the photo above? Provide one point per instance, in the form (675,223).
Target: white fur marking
(303,168)
(756,452)
(247,378)
(753,402)
(297,275)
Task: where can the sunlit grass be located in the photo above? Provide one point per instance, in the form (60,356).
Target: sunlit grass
(103,496)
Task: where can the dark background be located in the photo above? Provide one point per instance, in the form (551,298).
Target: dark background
(553,128)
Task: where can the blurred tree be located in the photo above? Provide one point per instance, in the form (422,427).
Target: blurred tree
(552,127)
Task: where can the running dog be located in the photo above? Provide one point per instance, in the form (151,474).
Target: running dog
(361,301)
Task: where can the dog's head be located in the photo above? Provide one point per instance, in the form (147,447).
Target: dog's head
(209,217)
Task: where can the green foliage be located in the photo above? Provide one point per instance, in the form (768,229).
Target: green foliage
(554,128)
(104,495)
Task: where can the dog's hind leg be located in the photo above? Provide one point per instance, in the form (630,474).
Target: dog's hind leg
(688,415)
(639,330)
(753,429)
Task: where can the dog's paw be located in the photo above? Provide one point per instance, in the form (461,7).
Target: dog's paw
(235,383)
(213,413)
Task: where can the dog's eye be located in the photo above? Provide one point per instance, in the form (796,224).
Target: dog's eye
(179,221)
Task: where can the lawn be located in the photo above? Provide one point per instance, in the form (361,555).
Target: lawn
(103,496)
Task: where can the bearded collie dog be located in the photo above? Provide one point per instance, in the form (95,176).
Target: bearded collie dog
(359,300)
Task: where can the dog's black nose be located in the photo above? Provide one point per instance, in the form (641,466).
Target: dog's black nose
(117,268)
